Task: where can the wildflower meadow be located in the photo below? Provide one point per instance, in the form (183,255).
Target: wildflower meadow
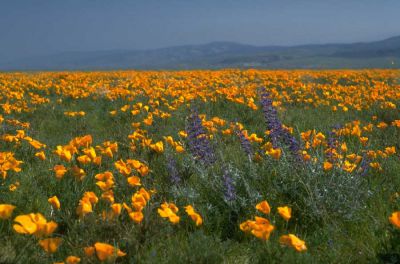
(202,166)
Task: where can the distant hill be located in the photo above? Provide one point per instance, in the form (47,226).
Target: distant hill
(378,54)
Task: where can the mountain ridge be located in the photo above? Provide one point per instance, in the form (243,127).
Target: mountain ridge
(223,54)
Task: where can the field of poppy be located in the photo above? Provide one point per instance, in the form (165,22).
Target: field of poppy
(227,166)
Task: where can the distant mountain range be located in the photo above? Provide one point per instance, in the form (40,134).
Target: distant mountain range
(215,55)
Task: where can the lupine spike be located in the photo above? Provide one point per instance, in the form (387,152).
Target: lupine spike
(230,193)
(279,135)
(173,171)
(244,142)
(198,142)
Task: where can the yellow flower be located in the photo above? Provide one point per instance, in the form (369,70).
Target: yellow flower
(292,240)
(55,203)
(261,228)
(64,153)
(169,210)
(50,245)
(6,210)
(107,252)
(375,165)
(390,150)
(84,208)
(195,216)
(90,152)
(363,140)
(36,144)
(179,149)
(139,201)
(395,219)
(137,217)
(320,136)
(263,207)
(182,134)
(34,224)
(348,166)
(134,181)
(285,212)
(25,225)
(327,166)
(105,186)
(274,153)
(84,159)
(8,162)
(382,125)
(254,138)
(105,181)
(13,186)
(116,209)
(145,194)
(60,171)
(245,226)
(41,155)
(91,197)
(89,251)
(148,121)
(343,147)
(78,173)
(158,147)
(72,260)
(123,168)
(306,156)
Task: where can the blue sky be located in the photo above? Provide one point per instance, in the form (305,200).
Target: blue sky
(37,27)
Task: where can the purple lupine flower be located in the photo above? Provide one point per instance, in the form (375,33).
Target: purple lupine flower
(279,135)
(173,171)
(292,143)
(198,142)
(271,117)
(364,165)
(244,142)
(229,192)
(332,143)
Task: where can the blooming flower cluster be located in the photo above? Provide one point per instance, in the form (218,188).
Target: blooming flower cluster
(262,228)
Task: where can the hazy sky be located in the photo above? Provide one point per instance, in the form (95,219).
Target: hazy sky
(33,27)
